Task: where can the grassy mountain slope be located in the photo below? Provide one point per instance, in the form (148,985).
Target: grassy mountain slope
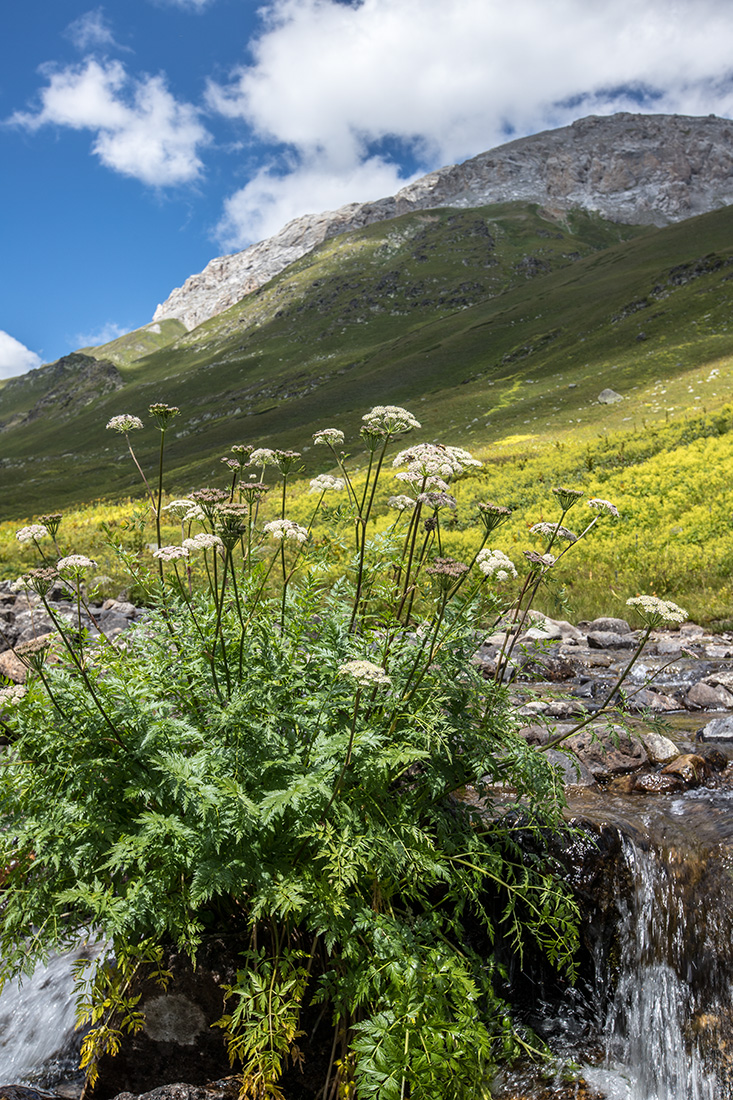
(498,326)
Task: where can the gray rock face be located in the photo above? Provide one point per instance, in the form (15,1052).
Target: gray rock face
(641,169)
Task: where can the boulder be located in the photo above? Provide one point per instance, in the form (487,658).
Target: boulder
(616,626)
(609,397)
(12,668)
(574,772)
(608,750)
(658,783)
(719,729)
(660,749)
(177,1038)
(705,696)
(690,768)
(609,639)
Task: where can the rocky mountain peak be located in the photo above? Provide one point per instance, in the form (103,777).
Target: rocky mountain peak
(632,168)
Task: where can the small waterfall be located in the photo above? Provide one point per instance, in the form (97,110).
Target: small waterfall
(668,1026)
(37,1025)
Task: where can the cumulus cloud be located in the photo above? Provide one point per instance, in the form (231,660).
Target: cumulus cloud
(141,129)
(15,358)
(333,84)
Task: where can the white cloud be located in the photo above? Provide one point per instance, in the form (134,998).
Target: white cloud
(91,31)
(103,335)
(15,358)
(270,200)
(335,84)
(141,129)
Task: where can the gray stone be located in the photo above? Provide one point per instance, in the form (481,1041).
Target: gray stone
(615,626)
(705,696)
(607,639)
(609,397)
(574,772)
(723,678)
(608,750)
(719,729)
(660,749)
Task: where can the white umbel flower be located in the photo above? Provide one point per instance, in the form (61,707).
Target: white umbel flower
(365,673)
(495,563)
(286,529)
(325,483)
(31,532)
(654,611)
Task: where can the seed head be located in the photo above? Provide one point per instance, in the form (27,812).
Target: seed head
(567,497)
(163,413)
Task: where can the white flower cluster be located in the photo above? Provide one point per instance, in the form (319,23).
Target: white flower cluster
(365,673)
(390,418)
(433,459)
(655,611)
(330,437)
(325,483)
(286,529)
(124,423)
(603,507)
(180,508)
(74,565)
(202,541)
(263,456)
(555,530)
(10,695)
(170,553)
(31,532)
(401,502)
(495,563)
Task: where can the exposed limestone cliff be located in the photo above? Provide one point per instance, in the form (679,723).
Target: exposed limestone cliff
(642,169)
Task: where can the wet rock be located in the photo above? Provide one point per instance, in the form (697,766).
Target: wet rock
(706,696)
(690,768)
(719,729)
(225,1089)
(645,699)
(608,639)
(178,1038)
(721,678)
(660,749)
(608,750)
(716,759)
(657,783)
(623,784)
(574,772)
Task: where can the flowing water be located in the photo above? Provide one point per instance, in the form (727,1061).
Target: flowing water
(655,1019)
(38,1044)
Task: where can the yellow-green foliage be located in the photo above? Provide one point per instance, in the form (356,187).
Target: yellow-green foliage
(671,484)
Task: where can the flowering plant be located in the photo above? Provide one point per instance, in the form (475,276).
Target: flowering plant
(283,760)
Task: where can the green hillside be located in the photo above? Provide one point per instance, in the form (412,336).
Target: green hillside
(498,326)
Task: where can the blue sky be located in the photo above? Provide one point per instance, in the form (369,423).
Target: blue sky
(140,138)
